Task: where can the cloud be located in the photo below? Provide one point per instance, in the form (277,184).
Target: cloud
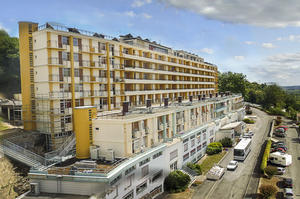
(282,68)
(249,42)
(3,28)
(139,3)
(130,14)
(271,13)
(207,50)
(239,58)
(292,38)
(267,45)
(146,16)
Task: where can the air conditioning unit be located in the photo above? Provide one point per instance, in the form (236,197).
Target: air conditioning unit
(95,152)
(108,155)
(34,188)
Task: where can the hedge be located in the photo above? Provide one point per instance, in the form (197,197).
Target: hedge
(266,156)
(195,167)
(248,121)
(214,148)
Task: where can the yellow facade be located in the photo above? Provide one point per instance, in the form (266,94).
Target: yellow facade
(83,130)
(27,74)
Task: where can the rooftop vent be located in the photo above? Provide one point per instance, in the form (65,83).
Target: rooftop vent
(191,98)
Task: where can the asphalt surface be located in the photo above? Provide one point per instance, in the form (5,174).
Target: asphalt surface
(241,182)
(293,144)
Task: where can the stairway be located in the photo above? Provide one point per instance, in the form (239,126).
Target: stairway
(33,160)
(191,173)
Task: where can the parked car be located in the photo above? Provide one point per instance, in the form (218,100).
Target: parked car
(278,149)
(288,193)
(284,127)
(287,182)
(280,146)
(280,130)
(232,165)
(279,143)
(249,134)
(294,125)
(279,134)
(280,171)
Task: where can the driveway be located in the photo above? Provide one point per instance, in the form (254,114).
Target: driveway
(239,183)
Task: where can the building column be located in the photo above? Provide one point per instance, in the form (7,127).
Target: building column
(8,113)
(165,130)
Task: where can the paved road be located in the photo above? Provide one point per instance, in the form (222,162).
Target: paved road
(293,144)
(234,183)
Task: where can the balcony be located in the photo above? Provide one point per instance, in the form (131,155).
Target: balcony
(57,61)
(55,44)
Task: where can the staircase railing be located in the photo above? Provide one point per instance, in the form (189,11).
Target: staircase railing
(61,149)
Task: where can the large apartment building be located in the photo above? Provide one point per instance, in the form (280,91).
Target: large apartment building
(63,68)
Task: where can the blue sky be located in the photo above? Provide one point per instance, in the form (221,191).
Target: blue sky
(259,39)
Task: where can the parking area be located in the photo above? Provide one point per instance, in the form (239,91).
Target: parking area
(293,144)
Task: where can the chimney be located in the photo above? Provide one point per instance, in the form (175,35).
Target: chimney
(166,102)
(125,107)
(191,98)
(180,99)
(148,103)
(199,97)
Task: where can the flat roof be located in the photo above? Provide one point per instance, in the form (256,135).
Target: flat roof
(231,125)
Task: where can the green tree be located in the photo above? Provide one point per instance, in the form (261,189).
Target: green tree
(176,181)
(234,82)
(9,64)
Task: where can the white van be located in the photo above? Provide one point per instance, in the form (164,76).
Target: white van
(280,158)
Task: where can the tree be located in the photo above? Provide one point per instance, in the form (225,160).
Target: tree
(226,142)
(273,96)
(267,191)
(234,82)
(176,181)
(9,64)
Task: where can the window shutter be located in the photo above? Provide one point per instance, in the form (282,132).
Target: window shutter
(59,41)
(60,61)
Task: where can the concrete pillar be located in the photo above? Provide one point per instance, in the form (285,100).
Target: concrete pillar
(165,129)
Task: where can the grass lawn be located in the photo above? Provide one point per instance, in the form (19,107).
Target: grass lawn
(3,126)
(187,194)
(210,160)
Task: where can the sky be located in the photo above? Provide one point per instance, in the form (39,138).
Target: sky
(260,39)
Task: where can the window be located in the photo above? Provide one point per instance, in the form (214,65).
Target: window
(187,139)
(127,171)
(75,41)
(157,176)
(204,144)
(76,56)
(173,166)
(157,155)
(116,180)
(193,152)
(186,156)
(199,147)
(129,195)
(76,72)
(67,72)
(174,154)
(66,56)
(192,142)
(145,170)
(185,147)
(144,161)
(128,181)
(140,188)
(198,139)
(65,40)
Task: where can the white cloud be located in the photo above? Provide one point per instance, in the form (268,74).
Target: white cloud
(139,3)
(207,50)
(239,58)
(282,68)
(146,16)
(267,45)
(249,42)
(292,38)
(130,14)
(3,28)
(270,13)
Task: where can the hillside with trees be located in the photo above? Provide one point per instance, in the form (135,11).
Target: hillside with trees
(9,65)
(273,99)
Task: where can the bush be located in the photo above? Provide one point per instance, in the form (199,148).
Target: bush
(195,167)
(226,142)
(267,191)
(270,171)
(214,148)
(176,181)
(277,111)
(248,121)
(266,156)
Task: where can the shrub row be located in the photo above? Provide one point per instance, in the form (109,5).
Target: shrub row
(248,121)
(266,156)
(214,148)
(195,167)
